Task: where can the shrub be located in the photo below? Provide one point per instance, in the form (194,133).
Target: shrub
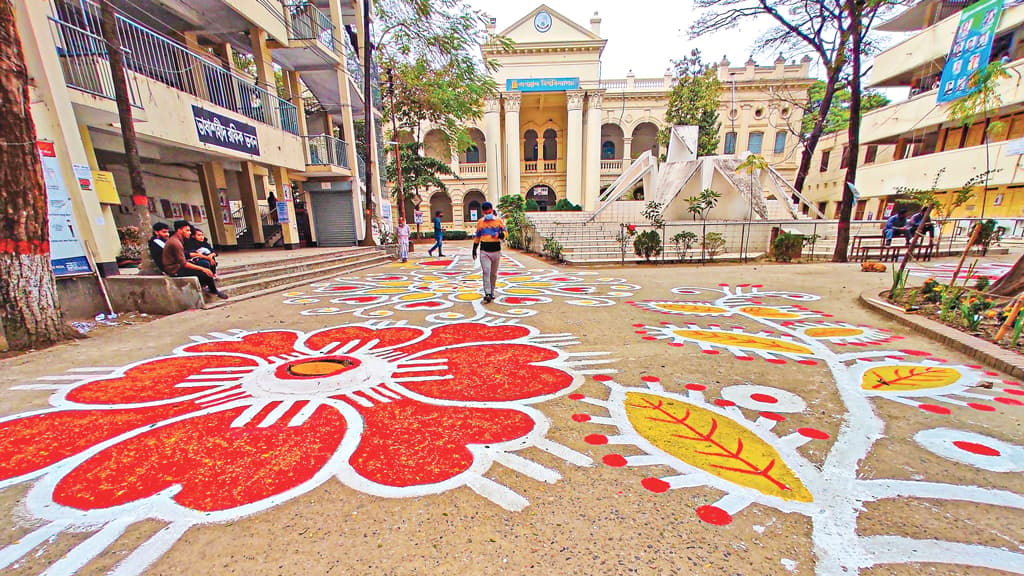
(552,248)
(714,244)
(787,247)
(684,242)
(532,206)
(652,212)
(512,209)
(564,205)
(455,235)
(647,244)
(131,242)
(982,284)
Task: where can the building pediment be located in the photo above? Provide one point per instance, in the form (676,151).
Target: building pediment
(543,25)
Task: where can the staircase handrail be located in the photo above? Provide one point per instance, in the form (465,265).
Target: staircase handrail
(781,182)
(630,176)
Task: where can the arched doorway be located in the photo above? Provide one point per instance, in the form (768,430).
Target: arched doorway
(530,146)
(550,144)
(543,195)
(435,145)
(645,137)
(474,153)
(611,142)
(471,203)
(440,201)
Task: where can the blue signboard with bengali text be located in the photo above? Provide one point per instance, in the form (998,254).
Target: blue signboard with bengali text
(971,49)
(542,84)
(218,130)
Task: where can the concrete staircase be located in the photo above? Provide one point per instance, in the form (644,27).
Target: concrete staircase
(284,272)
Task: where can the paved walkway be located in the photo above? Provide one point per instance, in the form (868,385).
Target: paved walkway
(647,420)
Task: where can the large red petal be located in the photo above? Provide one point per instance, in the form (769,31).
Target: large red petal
(387,336)
(35,442)
(409,443)
(262,344)
(217,466)
(490,373)
(155,380)
(464,333)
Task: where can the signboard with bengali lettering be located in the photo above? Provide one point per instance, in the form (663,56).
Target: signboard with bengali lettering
(542,84)
(971,49)
(217,130)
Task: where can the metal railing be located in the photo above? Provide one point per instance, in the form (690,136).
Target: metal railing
(309,23)
(361,164)
(83,58)
(326,150)
(151,55)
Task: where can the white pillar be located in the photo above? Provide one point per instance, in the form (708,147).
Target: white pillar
(513,142)
(574,148)
(592,183)
(492,127)
(627,152)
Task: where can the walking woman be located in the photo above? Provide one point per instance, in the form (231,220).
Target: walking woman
(490,231)
(403,232)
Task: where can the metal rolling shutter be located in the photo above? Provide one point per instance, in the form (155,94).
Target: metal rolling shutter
(334,218)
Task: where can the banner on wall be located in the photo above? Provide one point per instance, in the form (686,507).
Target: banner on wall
(282,213)
(971,49)
(106,189)
(67,255)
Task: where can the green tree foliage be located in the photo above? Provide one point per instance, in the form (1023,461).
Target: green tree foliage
(512,210)
(432,49)
(838,117)
(647,244)
(564,205)
(694,101)
(419,173)
(532,206)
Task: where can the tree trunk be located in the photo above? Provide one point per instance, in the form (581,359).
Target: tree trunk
(368,239)
(115,55)
(807,156)
(30,312)
(846,211)
(1012,283)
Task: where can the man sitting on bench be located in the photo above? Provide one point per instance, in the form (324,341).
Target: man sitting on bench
(896,224)
(175,263)
(926,228)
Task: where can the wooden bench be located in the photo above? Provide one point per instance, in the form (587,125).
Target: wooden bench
(875,246)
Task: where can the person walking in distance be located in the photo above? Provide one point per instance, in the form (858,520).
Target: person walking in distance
(438,235)
(175,263)
(490,231)
(403,232)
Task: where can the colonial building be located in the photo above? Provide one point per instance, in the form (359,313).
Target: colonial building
(559,130)
(219,91)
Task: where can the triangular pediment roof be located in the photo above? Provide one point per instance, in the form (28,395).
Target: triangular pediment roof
(563,29)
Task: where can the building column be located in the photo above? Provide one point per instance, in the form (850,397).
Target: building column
(513,142)
(251,203)
(265,78)
(212,183)
(574,148)
(349,136)
(627,152)
(295,90)
(453,161)
(283,192)
(592,183)
(492,127)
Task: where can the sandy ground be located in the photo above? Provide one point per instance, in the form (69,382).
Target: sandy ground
(595,519)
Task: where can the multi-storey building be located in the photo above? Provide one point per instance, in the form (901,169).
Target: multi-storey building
(924,139)
(559,130)
(217,89)
(824,183)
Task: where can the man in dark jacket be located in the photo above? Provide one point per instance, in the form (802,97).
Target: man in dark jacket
(161,232)
(175,263)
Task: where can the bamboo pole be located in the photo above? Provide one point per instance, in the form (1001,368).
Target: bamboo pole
(1014,312)
(967,250)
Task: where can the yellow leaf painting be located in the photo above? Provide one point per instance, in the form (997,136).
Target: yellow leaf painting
(715,444)
(768,312)
(832,332)
(684,308)
(903,377)
(745,341)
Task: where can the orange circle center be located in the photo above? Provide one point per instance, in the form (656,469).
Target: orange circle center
(320,368)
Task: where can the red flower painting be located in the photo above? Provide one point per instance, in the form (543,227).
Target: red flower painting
(237,423)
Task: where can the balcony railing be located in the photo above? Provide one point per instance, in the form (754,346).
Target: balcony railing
(611,166)
(540,166)
(473,168)
(154,56)
(83,56)
(327,150)
(529,166)
(309,23)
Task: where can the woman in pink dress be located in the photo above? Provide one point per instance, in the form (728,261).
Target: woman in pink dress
(402,231)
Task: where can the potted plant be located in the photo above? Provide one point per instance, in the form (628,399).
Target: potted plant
(131,247)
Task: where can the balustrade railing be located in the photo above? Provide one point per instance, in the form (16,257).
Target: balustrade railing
(529,166)
(473,168)
(151,55)
(611,165)
(326,150)
(309,23)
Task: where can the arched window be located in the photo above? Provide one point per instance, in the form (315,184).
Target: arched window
(550,144)
(608,150)
(754,142)
(730,142)
(472,154)
(530,146)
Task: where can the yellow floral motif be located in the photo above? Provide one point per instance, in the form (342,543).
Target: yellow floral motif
(689,308)
(522,291)
(769,313)
(386,291)
(832,332)
(416,296)
(467,297)
(715,444)
(903,377)
(745,341)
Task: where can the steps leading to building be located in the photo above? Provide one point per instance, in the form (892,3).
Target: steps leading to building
(253,280)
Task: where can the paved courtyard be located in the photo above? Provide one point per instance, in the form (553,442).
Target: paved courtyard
(740,420)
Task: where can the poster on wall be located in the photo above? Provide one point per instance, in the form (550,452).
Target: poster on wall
(152,204)
(84,176)
(106,189)
(175,210)
(196,215)
(282,213)
(67,255)
(385,211)
(971,49)
(165,207)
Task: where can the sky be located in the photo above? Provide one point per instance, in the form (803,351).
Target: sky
(643,35)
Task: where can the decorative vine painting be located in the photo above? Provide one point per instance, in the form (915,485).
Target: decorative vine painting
(449,290)
(741,443)
(235,423)
(944,272)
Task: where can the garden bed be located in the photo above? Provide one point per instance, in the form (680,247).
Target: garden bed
(966,308)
